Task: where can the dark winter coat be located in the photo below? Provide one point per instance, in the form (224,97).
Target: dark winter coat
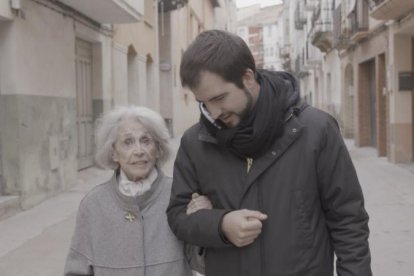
(307,186)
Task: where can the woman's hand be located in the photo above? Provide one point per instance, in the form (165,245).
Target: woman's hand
(197,203)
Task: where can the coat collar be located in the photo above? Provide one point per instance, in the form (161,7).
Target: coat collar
(138,203)
(292,131)
(205,136)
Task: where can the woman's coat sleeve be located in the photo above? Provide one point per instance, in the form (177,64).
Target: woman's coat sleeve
(78,261)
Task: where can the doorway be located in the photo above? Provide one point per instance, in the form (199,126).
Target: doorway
(84,105)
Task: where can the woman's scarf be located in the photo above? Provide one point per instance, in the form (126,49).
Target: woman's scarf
(256,133)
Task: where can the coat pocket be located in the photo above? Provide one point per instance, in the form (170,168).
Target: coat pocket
(304,220)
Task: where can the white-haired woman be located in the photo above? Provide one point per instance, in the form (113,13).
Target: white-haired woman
(121,226)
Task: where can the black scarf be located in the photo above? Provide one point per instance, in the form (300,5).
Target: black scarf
(256,134)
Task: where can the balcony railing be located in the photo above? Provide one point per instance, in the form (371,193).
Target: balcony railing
(109,11)
(359,27)
(341,39)
(390,9)
(322,30)
(300,16)
(169,5)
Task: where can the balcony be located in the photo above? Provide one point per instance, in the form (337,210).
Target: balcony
(170,5)
(390,9)
(321,34)
(109,11)
(300,16)
(341,30)
(359,27)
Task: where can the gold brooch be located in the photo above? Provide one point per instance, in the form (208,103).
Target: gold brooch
(129,217)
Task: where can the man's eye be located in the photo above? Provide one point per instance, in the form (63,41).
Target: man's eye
(219,98)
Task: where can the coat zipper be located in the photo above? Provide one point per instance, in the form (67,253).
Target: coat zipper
(249,163)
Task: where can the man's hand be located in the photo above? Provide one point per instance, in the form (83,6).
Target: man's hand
(242,227)
(198,202)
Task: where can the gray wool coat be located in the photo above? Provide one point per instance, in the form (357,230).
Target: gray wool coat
(120,235)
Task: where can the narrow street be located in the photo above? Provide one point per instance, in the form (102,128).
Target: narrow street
(35,242)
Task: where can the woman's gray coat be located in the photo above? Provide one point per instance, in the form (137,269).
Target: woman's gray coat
(126,236)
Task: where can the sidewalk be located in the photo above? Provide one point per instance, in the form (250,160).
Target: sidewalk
(389,196)
(36,241)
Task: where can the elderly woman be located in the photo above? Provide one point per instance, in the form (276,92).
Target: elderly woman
(121,227)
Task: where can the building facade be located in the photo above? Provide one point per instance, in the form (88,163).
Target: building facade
(56,77)
(180,22)
(362,69)
(262,31)
(139,79)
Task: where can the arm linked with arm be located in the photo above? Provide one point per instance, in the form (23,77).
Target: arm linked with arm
(201,228)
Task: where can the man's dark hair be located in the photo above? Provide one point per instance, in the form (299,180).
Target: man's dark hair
(219,52)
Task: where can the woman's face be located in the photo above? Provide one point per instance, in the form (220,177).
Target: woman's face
(134,150)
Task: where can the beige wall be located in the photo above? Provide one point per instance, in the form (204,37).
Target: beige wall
(181,26)
(37,62)
(332,91)
(120,74)
(185,108)
(143,38)
(5,11)
(401,103)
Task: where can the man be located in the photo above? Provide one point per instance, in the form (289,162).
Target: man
(284,191)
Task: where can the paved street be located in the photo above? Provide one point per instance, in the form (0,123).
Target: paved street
(35,242)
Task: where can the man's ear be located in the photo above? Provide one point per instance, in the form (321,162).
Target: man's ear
(249,79)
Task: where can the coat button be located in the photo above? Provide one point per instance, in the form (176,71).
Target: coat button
(294,130)
(274,153)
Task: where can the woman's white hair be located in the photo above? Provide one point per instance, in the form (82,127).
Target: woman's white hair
(107,127)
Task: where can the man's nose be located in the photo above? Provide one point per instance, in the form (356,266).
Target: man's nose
(215,112)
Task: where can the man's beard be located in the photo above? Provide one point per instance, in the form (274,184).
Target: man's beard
(249,105)
(244,114)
